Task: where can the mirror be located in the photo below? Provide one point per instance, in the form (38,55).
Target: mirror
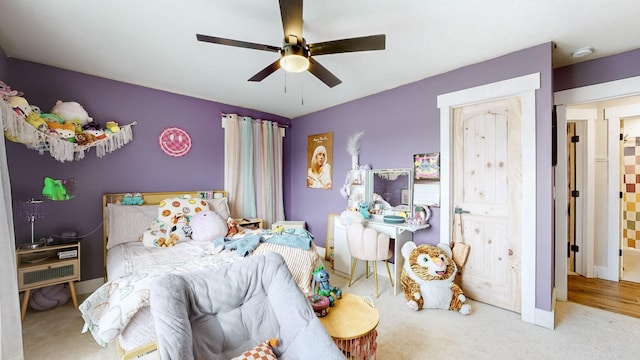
(392,189)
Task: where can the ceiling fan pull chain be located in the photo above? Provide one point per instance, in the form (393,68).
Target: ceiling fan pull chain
(302,92)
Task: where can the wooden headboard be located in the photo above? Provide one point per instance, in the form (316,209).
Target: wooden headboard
(150,198)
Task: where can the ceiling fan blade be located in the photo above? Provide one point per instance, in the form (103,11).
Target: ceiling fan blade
(365,43)
(323,74)
(266,71)
(291,14)
(237,43)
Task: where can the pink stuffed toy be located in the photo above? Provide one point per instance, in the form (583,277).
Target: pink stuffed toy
(6,92)
(207,226)
(71,111)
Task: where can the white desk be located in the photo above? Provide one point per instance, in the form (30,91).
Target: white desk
(400,233)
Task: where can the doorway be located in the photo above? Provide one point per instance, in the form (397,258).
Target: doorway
(630,202)
(610,100)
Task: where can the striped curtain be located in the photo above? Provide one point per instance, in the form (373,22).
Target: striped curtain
(253,168)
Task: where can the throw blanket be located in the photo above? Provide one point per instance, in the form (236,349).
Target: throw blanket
(245,243)
(297,238)
(110,308)
(258,299)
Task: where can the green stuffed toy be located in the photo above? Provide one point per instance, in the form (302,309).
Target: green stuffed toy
(55,190)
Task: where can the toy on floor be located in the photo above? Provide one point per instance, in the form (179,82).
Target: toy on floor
(321,278)
(427,278)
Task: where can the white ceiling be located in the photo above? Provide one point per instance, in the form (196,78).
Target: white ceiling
(152,42)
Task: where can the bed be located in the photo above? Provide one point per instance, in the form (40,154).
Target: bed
(119,310)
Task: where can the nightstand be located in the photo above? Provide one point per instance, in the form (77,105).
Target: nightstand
(45,266)
(250,223)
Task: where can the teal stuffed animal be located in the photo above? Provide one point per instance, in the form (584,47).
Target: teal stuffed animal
(132,199)
(363,207)
(321,278)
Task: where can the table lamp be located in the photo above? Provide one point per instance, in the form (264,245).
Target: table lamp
(33,210)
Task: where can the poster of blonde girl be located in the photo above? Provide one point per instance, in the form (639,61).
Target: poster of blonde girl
(319,157)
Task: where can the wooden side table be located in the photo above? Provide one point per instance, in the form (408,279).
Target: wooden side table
(250,223)
(45,266)
(352,323)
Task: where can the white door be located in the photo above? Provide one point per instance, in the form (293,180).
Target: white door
(584,167)
(585,217)
(523,87)
(487,195)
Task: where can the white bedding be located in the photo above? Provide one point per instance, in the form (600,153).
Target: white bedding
(108,311)
(119,308)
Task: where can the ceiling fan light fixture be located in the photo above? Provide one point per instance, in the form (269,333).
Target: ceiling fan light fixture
(294,59)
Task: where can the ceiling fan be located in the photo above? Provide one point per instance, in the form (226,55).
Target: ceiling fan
(295,53)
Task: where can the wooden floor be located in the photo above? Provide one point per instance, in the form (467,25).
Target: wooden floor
(620,297)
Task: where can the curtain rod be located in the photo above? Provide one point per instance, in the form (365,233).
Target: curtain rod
(279,124)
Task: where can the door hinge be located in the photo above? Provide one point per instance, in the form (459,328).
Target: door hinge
(620,253)
(575,193)
(621,137)
(620,194)
(575,139)
(575,248)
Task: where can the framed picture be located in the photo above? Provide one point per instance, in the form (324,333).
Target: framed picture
(426,166)
(319,160)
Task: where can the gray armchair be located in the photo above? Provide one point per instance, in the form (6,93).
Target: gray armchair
(221,312)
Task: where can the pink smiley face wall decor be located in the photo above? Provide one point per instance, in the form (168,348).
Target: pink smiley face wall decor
(174,141)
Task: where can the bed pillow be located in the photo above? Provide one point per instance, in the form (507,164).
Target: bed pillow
(264,351)
(185,204)
(126,223)
(220,206)
(156,234)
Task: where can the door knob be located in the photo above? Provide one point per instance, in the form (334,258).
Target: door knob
(461,211)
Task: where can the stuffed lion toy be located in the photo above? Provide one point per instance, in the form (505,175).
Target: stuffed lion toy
(427,278)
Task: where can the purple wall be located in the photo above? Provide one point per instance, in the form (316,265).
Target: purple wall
(404,121)
(597,71)
(4,67)
(138,166)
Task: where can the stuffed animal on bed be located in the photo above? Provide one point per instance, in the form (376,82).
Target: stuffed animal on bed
(427,278)
(233,228)
(207,225)
(180,229)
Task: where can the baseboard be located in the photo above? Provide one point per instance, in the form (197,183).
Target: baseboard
(546,318)
(88,286)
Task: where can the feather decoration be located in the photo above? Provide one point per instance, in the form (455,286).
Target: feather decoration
(353,143)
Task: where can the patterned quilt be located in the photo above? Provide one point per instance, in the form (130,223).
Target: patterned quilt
(110,308)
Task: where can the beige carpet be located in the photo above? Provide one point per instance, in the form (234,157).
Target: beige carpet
(487,333)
